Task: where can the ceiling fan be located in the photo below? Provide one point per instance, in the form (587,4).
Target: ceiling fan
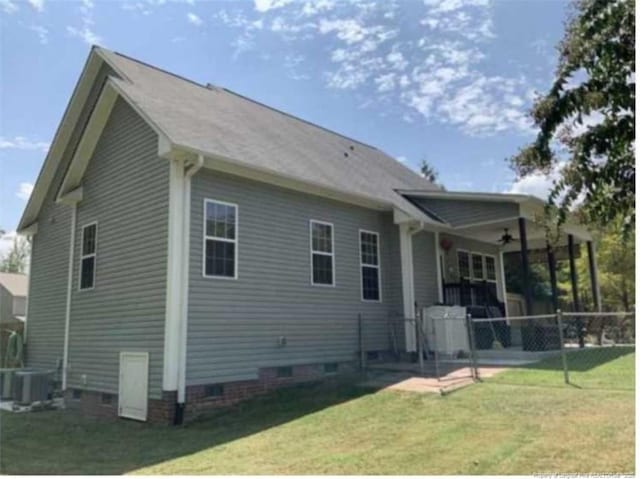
(506,238)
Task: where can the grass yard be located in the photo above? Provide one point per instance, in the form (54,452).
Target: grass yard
(487,428)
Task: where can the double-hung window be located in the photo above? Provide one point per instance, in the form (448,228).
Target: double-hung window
(464,268)
(370,265)
(220,239)
(322,254)
(477,266)
(88,245)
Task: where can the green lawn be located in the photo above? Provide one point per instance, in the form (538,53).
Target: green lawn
(487,428)
(590,368)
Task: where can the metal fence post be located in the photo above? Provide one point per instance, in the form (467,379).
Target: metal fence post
(436,355)
(563,353)
(363,357)
(420,342)
(472,347)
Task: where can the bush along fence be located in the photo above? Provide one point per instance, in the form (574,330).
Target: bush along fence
(552,349)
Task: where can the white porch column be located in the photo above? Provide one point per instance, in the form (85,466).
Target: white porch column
(408,292)
(439,273)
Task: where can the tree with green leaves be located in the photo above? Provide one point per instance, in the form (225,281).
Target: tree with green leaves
(586,121)
(16,259)
(428,172)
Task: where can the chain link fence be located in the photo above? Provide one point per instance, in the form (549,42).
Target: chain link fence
(434,349)
(585,350)
(448,346)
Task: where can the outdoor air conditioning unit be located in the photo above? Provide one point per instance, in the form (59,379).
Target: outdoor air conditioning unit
(6,382)
(31,386)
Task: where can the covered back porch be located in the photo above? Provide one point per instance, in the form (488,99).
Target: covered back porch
(475,232)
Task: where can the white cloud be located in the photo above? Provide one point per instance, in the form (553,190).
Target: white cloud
(430,64)
(37,5)
(24,191)
(266,5)
(22,143)
(86,32)
(536,185)
(194,19)
(8,6)
(42,32)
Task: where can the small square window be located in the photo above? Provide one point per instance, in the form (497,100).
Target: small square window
(372,355)
(106,399)
(76,394)
(214,390)
(284,372)
(330,368)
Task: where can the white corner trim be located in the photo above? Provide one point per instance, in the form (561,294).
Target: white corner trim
(408,288)
(67,317)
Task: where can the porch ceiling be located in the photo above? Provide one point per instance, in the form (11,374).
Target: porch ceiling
(536,238)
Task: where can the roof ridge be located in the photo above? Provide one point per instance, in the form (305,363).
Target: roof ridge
(161,70)
(264,105)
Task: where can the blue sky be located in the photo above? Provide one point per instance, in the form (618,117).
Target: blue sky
(449,81)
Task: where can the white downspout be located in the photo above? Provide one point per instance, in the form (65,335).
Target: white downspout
(67,319)
(184,300)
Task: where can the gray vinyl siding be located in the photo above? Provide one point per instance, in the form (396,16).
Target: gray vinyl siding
(465,212)
(126,191)
(425,273)
(234,325)
(50,260)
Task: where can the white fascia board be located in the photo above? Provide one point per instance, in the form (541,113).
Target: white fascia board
(469,195)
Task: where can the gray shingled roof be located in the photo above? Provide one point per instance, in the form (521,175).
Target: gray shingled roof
(220,122)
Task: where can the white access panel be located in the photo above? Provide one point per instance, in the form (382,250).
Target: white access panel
(134,385)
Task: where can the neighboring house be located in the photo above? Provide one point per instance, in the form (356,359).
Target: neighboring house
(13,298)
(192,247)
(13,306)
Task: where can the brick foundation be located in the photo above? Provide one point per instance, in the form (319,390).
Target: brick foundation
(199,398)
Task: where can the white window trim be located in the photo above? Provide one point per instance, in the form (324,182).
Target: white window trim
(472,268)
(362,265)
(484,265)
(85,256)
(458,251)
(495,268)
(324,253)
(206,237)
